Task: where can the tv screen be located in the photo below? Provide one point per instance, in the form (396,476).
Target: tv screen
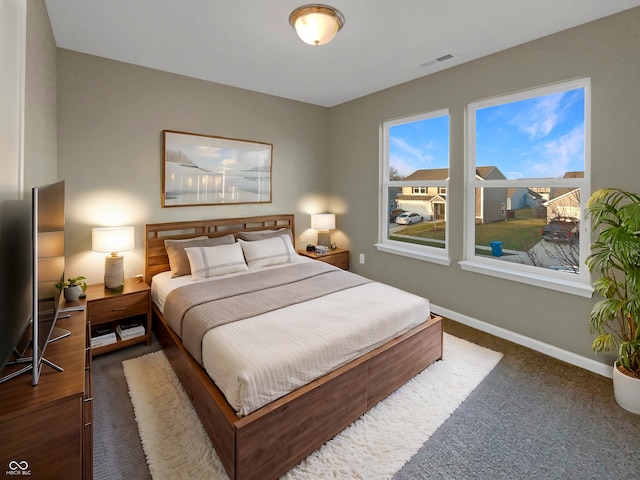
(15,280)
(48,267)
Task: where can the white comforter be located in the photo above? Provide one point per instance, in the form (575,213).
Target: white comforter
(260,359)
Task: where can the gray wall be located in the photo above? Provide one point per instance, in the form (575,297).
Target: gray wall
(40,129)
(609,52)
(110,121)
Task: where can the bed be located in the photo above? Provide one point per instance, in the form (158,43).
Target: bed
(266,438)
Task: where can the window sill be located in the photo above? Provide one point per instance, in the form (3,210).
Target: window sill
(415,254)
(564,285)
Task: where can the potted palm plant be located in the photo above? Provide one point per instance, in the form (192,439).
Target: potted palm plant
(615,257)
(72,288)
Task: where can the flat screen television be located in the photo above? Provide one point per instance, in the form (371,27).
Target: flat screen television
(32,254)
(48,269)
(15,280)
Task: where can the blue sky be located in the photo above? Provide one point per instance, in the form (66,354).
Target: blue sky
(541,137)
(419,145)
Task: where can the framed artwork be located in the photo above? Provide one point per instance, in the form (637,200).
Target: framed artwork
(208,170)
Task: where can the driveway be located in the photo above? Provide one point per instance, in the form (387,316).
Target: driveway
(556,255)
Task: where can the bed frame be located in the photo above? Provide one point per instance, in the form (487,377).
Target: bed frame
(270,441)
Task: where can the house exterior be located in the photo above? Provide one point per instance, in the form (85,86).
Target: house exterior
(523,197)
(491,203)
(430,202)
(565,202)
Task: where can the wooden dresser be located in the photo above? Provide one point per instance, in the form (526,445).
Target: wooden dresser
(47,429)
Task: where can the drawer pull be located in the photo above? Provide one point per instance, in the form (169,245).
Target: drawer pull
(118,309)
(88,399)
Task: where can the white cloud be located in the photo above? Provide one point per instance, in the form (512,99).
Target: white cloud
(407,158)
(563,155)
(410,150)
(402,165)
(541,119)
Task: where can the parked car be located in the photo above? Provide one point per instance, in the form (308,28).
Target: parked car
(393,214)
(407,218)
(565,229)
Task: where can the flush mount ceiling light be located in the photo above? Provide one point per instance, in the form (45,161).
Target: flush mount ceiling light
(316,24)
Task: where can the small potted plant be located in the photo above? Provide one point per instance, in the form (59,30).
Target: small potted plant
(615,257)
(72,288)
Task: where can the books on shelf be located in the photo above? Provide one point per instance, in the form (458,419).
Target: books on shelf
(128,330)
(72,308)
(98,331)
(102,337)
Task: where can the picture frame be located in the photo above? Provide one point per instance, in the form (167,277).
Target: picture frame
(202,169)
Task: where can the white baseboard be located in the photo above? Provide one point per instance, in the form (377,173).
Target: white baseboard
(538,346)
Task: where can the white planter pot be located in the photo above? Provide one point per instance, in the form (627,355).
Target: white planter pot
(626,391)
(71,294)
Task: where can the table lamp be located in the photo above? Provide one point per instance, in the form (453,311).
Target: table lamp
(113,240)
(323,222)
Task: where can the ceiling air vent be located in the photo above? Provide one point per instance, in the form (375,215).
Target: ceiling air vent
(437,60)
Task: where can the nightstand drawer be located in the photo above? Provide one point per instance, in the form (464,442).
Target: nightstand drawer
(113,308)
(336,257)
(340,260)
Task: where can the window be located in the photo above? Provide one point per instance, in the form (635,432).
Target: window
(414,178)
(527,184)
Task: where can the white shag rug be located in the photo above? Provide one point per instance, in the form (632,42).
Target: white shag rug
(376,446)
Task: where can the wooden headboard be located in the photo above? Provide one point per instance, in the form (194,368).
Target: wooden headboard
(155,255)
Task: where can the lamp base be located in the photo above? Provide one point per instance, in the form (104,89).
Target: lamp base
(114,271)
(324,238)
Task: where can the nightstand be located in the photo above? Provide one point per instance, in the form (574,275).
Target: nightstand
(336,256)
(107,309)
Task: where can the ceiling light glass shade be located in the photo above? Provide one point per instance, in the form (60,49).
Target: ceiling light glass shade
(316,24)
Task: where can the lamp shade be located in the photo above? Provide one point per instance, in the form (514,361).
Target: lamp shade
(316,24)
(323,221)
(112,239)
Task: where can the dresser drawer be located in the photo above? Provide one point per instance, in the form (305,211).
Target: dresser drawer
(114,308)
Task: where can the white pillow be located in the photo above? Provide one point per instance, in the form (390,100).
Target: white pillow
(206,262)
(264,234)
(270,251)
(178,261)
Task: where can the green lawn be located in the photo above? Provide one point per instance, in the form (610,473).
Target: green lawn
(519,233)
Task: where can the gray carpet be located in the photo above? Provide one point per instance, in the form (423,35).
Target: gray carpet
(117,452)
(533,417)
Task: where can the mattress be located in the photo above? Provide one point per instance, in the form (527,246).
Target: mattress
(260,359)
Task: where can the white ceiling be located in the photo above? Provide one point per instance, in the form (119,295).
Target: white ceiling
(250,44)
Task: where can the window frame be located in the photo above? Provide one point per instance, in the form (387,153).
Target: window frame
(577,284)
(406,249)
